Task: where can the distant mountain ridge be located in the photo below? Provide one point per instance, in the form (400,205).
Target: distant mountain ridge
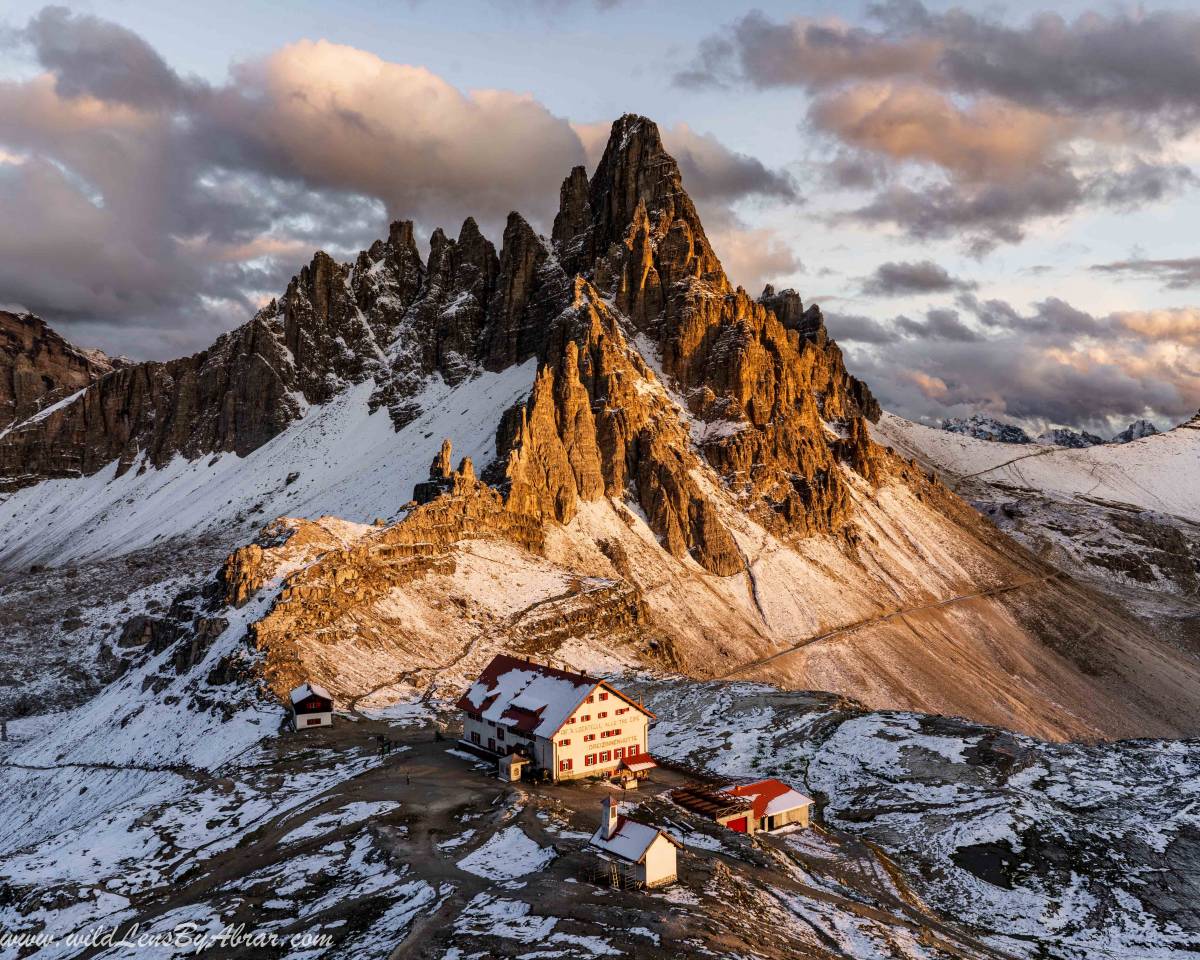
(984,427)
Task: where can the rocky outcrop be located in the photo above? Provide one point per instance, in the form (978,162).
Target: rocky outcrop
(598,424)
(234,396)
(761,378)
(38,367)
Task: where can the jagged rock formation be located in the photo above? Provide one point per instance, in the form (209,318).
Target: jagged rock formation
(1135,431)
(1065,437)
(760,390)
(982,427)
(38,367)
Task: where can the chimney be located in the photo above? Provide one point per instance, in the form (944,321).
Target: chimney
(608,817)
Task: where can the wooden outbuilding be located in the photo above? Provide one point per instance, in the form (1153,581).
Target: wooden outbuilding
(640,855)
(311,706)
(731,811)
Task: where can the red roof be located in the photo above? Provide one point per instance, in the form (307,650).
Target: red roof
(763,792)
(640,759)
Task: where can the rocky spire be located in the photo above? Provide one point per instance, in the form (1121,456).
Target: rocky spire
(637,188)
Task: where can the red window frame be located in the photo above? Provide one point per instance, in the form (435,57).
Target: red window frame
(619,753)
(602,714)
(585,718)
(589,737)
(605,756)
(590,699)
(565,743)
(570,719)
(603,696)
(565,764)
(589,760)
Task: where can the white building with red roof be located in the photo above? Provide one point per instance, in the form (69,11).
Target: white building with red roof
(568,724)
(774,804)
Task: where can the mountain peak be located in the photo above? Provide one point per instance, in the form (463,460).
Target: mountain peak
(636,192)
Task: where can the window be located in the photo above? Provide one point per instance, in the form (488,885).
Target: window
(611,733)
(499,733)
(475,736)
(603,696)
(602,714)
(619,753)
(565,764)
(570,719)
(591,699)
(589,737)
(589,760)
(605,756)
(622,710)
(565,743)
(585,718)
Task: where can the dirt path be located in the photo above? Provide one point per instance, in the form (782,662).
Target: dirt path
(1000,466)
(883,618)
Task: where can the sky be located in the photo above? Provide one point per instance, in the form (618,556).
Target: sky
(993,205)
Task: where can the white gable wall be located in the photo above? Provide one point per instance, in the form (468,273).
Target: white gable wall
(658,866)
(588,734)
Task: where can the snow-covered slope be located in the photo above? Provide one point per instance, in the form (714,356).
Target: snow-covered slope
(1159,472)
(1125,517)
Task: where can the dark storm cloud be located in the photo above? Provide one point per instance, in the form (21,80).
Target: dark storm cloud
(856,328)
(911,277)
(170,208)
(1174,274)
(94,57)
(1143,63)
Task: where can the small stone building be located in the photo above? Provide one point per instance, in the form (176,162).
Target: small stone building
(311,706)
(640,854)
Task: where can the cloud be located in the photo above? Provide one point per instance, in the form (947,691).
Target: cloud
(989,139)
(982,127)
(1180,325)
(856,328)
(1148,62)
(97,58)
(1175,274)
(940,323)
(1052,364)
(158,210)
(911,277)
(753,257)
(805,53)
